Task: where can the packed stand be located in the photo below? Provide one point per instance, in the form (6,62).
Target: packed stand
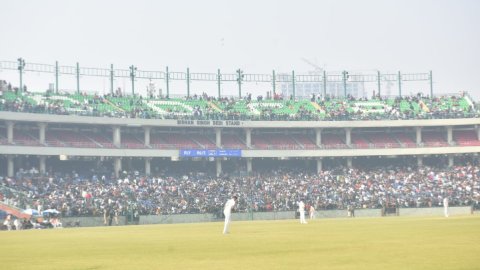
(280,190)
(204,107)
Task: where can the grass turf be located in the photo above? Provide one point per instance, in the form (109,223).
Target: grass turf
(359,243)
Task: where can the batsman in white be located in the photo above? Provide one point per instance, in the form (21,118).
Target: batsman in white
(227,211)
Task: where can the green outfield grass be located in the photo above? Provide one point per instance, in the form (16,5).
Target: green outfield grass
(360,243)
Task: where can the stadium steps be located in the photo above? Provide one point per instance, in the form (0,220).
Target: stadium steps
(316,106)
(214,106)
(13,210)
(423,106)
(197,142)
(113,105)
(299,143)
(95,142)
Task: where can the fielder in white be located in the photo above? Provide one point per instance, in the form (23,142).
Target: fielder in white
(445,206)
(227,211)
(301,209)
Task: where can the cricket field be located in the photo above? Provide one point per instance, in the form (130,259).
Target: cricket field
(355,243)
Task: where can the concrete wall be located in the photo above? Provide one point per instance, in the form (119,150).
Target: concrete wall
(321,214)
(435,211)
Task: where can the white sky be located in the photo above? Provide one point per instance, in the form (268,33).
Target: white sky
(257,36)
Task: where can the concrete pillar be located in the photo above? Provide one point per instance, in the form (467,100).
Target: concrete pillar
(147,166)
(248,139)
(477,129)
(348,136)
(42,166)
(318,137)
(218,137)
(10,125)
(10,167)
(147,135)
(249,165)
(419,135)
(41,132)
(117,166)
(117,139)
(319,165)
(419,161)
(219,166)
(349,162)
(450,135)
(450,160)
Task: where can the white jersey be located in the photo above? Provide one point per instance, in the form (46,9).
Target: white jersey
(228,206)
(301,207)
(445,202)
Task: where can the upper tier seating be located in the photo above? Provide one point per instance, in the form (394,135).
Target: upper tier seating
(406,139)
(305,141)
(274,141)
(333,141)
(466,138)
(180,141)
(231,141)
(27,138)
(359,141)
(131,141)
(383,140)
(434,139)
(409,107)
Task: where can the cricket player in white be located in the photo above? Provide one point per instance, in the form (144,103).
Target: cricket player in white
(301,209)
(445,206)
(227,211)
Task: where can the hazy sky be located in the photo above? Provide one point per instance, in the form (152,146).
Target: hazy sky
(255,35)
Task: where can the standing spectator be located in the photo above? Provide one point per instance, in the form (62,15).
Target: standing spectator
(8,222)
(312,212)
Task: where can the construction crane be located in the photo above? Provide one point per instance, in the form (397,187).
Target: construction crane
(317,70)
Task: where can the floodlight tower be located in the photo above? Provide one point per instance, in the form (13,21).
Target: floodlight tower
(133,70)
(21,67)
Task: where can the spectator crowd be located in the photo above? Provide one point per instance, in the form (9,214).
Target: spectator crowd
(318,108)
(277,190)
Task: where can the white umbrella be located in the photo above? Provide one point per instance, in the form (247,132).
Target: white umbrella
(51,211)
(31,212)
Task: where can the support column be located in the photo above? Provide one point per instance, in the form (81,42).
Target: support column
(218,137)
(219,167)
(348,136)
(10,167)
(450,160)
(117,140)
(477,129)
(147,136)
(419,135)
(42,166)
(318,137)
(10,125)
(319,165)
(248,138)
(349,162)
(449,135)
(147,166)
(249,165)
(117,166)
(41,132)
(419,161)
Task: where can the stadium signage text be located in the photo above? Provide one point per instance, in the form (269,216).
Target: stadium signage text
(208,123)
(211,153)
